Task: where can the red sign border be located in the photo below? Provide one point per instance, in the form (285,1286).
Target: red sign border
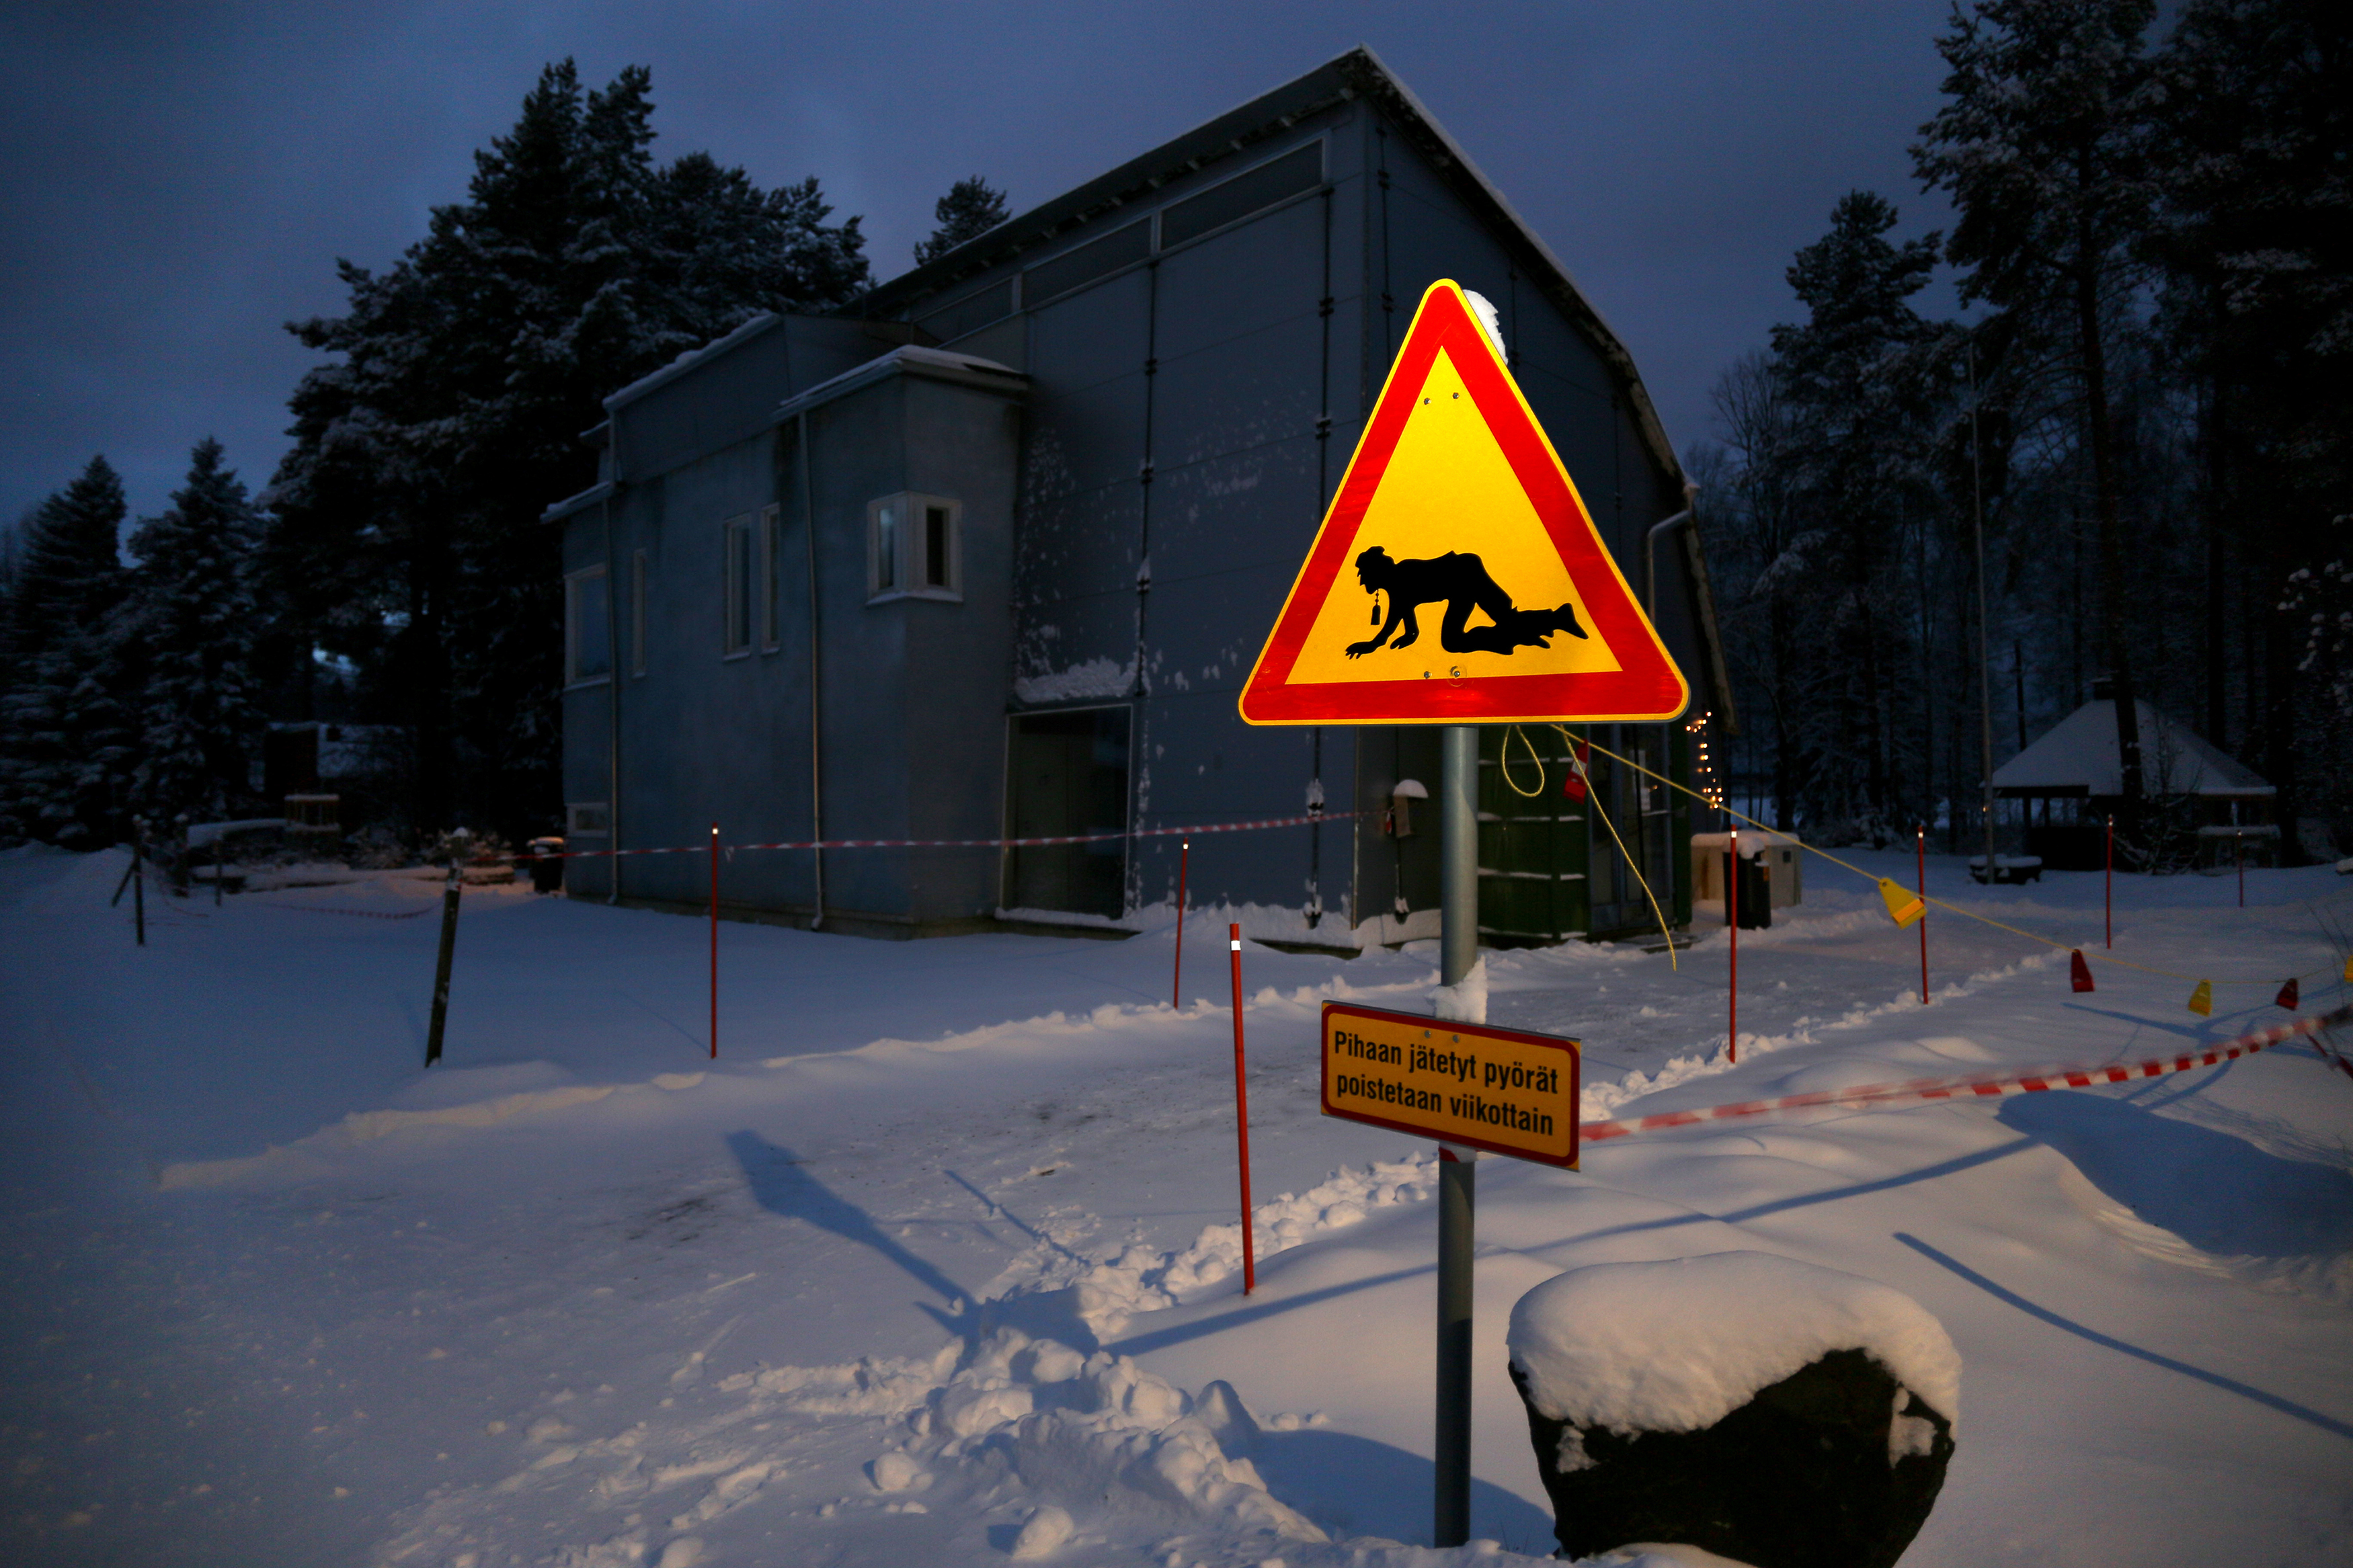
(1632,695)
(1576,1050)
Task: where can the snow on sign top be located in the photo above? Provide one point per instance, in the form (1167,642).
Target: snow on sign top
(1678,1345)
(1456,510)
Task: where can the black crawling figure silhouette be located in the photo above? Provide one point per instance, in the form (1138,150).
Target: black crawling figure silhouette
(1461,581)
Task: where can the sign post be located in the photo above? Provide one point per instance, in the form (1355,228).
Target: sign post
(1455,507)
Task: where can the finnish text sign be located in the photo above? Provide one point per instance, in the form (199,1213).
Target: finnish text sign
(1489,1089)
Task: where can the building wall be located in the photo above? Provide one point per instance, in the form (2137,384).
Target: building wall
(1130,532)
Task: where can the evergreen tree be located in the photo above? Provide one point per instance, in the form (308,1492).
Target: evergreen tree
(61,743)
(406,534)
(2042,144)
(2254,113)
(191,627)
(970,209)
(1856,388)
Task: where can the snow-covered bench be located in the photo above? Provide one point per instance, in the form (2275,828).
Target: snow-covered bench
(2009,868)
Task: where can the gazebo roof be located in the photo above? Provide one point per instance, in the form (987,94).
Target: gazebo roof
(2079,757)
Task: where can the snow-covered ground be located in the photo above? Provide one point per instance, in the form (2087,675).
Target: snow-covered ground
(938,1263)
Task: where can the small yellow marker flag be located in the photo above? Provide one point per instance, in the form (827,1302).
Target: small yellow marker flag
(1903,906)
(2201,1001)
(2348,968)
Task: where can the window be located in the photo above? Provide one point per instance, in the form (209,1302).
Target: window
(768,528)
(1088,262)
(638,613)
(735,541)
(1244,193)
(970,313)
(587,819)
(587,627)
(915,548)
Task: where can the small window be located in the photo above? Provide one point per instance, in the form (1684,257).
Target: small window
(587,627)
(768,543)
(736,547)
(638,613)
(1096,258)
(587,819)
(1243,195)
(915,548)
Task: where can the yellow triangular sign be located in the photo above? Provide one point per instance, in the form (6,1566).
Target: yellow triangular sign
(2201,1001)
(1458,577)
(1903,906)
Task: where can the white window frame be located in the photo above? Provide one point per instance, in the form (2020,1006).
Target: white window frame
(735,594)
(574,583)
(638,613)
(770,630)
(587,819)
(907,548)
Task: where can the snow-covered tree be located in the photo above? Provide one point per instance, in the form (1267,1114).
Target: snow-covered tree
(970,209)
(2042,144)
(63,743)
(405,535)
(190,625)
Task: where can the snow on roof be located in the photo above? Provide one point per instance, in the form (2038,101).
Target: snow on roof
(2079,754)
(970,368)
(1677,1346)
(690,358)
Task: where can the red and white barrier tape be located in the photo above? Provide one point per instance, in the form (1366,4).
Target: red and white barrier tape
(1299,821)
(1879,1097)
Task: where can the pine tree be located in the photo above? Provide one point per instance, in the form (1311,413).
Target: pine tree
(190,623)
(970,209)
(2254,113)
(1856,387)
(2042,144)
(406,530)
(61,757)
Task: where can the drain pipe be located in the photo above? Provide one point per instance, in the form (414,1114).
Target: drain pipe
(1650,552)
(613,692)
(816,706)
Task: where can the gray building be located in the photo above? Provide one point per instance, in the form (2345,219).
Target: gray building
(992,551)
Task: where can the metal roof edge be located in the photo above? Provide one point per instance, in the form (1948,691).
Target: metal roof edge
(939,364)
(690,358)
(580,502)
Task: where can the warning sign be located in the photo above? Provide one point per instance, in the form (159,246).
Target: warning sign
(1458,577)
(1462,1083)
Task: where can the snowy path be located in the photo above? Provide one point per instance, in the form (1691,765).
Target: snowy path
(578,1295)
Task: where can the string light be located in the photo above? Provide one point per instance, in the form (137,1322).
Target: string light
(1704,760)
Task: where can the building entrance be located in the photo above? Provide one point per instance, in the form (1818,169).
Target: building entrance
(1069,775)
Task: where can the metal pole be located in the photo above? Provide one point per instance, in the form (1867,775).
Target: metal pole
(1241,1114)
(442,965)
(817,703)
(1732,924)
(1458,877)
(1921,834)
(1176,981)
(2108,883)
(2239,854)
(1457,852)
(1458,1188)
(714,942)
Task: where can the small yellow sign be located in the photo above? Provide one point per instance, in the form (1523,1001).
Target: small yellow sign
(1498,1090)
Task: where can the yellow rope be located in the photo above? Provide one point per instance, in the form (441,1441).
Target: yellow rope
(1503,759)
(1593,797)
(2103,957)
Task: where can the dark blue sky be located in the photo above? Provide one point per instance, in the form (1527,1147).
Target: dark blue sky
(179,178)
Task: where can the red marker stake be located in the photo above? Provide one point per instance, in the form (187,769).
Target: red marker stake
(2109,883)
(1176,983)
(714,942)
(1732,924)
(1920,834)
(1241,1113)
